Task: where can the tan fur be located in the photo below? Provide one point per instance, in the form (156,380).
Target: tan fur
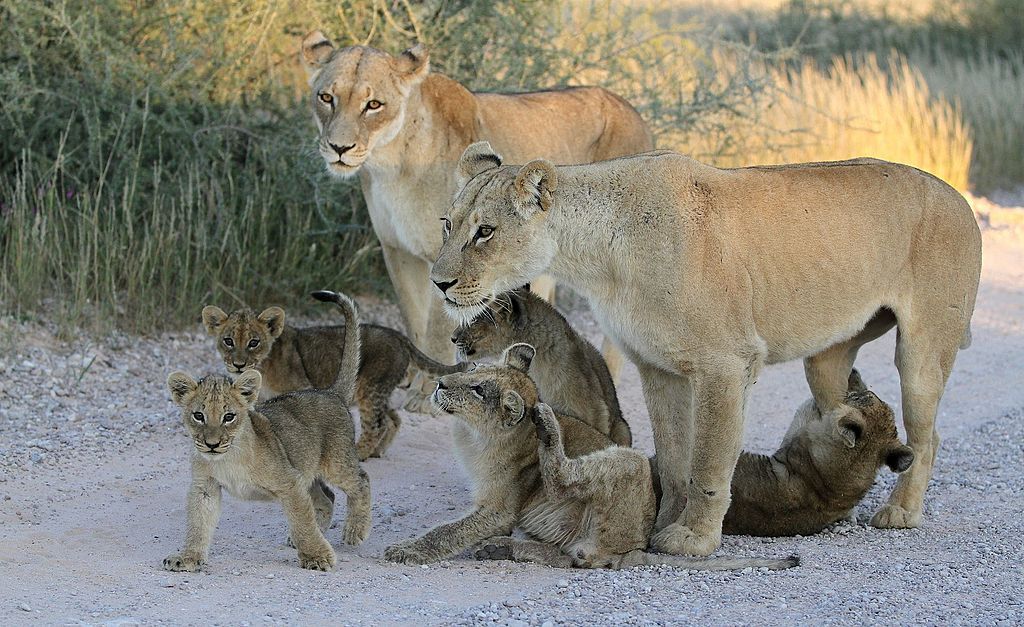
(405,152)
(582,501)
(703,276)
(570,374)
(283,449)
(292,359)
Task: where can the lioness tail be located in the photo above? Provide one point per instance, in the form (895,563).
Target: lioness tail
(345,384)
(643,558)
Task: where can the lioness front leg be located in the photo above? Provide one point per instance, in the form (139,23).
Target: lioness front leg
(450,539)
(669,400)
(720,397)
(315,553)
(203,512)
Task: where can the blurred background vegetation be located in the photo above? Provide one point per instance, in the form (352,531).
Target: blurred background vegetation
(159,154)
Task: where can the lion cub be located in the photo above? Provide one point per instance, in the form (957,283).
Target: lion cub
(293,359)
(822,470)
(282,449)
(582,500)
(570,373)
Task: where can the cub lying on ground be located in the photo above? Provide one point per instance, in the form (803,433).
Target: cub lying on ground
(293,359)
(822,470)
(281,449)
(571,375)
(595,510)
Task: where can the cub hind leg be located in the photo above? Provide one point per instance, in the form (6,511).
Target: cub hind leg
(315,552)
(323,505)
(344,471)
(373,418)
(509,548)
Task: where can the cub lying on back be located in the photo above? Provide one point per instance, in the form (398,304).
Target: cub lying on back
(293,359)
(282,449)
(571,375)
(822,470)
(594,510)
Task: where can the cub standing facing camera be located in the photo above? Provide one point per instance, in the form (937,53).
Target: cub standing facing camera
(282,449)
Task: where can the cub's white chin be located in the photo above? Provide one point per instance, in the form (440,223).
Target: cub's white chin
(464,314)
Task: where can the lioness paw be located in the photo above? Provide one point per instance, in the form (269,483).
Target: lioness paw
(405,553)
(895,517)
(182,563)
(681,540)
(323,562)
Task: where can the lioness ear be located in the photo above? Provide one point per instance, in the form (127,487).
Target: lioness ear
(514,406)
(317,50)
(213,317)
(534,186)
(414,63)
(519,356)
(181,385)
(273,318)
(248,385)
(849,425)
(477,158)
(899,458)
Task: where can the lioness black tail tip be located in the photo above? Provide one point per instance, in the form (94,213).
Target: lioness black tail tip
(793,561)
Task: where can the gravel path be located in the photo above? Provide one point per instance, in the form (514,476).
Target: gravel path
(93,471)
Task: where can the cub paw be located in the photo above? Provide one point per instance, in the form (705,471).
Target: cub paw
(182,563)
(681,540)
(405,554)
(495,549)
(544,419)
(355,533)
(895,517)
(322,562)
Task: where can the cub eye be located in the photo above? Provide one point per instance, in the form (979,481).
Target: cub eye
(477,391)
(227,418)
(254,342)
(484,232)
(326,98)
(230,343)
(198,417)
(447,227)
(373,105)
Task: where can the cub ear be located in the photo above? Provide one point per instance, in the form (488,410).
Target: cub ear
(849,425)
(534,186)
(317,50)
(248,386)
(516,311)
(519,356)
(899,458)
(514,406)
(855,383)
(273,319)
(180,385)
(213,318)
(477,158)
(414,63)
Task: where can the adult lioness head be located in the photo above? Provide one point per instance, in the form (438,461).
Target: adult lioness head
(359,97)
(494,235)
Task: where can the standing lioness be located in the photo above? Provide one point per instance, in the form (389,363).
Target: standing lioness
(402,129)
(703,275)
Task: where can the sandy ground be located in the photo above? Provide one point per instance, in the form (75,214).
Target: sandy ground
(93,471)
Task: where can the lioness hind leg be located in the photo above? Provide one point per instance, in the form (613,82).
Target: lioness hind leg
(924,358)
(509,548)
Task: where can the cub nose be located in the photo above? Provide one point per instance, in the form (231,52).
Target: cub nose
(237,365)
(211,446)
(341,149)
(444,285)
(441,385)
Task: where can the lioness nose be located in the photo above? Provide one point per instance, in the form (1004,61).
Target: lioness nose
(341,149)
(444,285)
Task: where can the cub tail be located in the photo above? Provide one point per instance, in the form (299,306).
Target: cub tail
(345,384)
(643,558)
(430,367)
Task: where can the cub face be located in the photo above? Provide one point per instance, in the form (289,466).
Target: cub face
(214,410)
(244,339)
(495,329)
(492,396)
(862,429)
(359,97)
(494,235)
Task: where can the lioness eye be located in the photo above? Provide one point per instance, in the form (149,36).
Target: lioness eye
(229,342)
(198,416)
(326,98)
(477,391)
(373,105)
(253,343)
(484,232)
(227,418)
